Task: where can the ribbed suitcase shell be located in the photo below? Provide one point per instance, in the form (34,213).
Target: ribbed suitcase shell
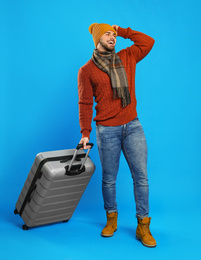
(56,194)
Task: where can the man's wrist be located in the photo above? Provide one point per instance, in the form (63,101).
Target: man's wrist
(85,133)
(121,32)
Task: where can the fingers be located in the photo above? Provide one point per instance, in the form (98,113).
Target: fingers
(84,141)
(115,26)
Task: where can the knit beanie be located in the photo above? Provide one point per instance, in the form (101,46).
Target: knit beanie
(97,30)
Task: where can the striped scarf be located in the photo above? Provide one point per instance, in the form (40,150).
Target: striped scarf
(111,63)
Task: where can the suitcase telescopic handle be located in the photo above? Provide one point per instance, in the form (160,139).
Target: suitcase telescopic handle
(79,146)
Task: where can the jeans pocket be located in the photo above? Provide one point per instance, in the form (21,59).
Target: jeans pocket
(99,129)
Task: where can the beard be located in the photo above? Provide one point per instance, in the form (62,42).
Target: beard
(106,46)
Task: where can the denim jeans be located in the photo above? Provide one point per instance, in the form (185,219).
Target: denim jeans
(130,139)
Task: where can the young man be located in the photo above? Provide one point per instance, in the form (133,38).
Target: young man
(110,78)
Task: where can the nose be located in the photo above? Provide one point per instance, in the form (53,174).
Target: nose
(112,37)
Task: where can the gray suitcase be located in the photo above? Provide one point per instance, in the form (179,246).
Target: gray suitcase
(54,186)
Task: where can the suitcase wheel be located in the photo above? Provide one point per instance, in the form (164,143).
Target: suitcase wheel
(65,220)
(24,227)
(16,212)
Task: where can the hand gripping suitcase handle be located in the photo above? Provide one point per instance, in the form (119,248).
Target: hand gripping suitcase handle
(79,146)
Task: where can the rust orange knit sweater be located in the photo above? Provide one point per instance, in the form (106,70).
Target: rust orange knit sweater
(93,82)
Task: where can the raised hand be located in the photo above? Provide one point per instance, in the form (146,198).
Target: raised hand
(116,28)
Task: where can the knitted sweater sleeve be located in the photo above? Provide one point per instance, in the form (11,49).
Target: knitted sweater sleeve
(85,102)
(142,42)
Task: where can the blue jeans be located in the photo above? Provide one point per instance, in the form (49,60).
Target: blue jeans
(130,139)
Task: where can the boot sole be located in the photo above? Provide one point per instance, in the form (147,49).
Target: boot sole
(139,238)
(108,235)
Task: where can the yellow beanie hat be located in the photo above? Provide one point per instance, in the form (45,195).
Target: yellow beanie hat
(97,30)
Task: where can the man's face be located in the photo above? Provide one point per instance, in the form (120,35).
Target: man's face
(107,41)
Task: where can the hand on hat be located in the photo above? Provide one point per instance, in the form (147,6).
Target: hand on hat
(116,28)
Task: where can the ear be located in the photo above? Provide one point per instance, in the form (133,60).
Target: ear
(98,45)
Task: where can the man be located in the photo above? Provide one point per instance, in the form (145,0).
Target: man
(110,78)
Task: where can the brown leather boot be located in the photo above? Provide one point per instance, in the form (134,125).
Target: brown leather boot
(143,232)
(111,225)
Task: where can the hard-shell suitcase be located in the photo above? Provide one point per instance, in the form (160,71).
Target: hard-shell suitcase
(54,186)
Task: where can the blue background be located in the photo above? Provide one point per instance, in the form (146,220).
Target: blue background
(42,46)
